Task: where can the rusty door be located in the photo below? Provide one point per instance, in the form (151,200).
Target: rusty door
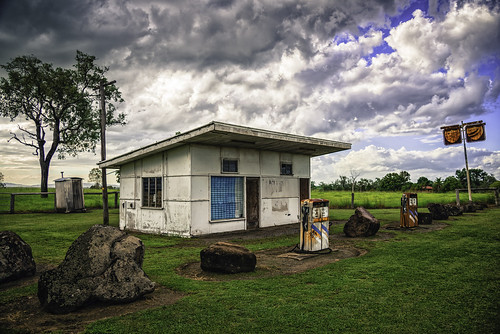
(304,189)
(252,202)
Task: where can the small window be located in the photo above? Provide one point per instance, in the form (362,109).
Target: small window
(151,192)
(286,168)
(229,166)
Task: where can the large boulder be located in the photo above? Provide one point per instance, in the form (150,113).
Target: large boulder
(16,259)
(227,258)
(103,264)
(438,211)
(454,210)
(361,224)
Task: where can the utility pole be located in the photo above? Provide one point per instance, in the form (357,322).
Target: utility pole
(105,208)
(462,128)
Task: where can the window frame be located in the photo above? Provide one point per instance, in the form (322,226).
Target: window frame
(285,172)
(230,160)
(148,199)
(222,197)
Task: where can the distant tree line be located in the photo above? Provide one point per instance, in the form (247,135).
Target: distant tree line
(401,182)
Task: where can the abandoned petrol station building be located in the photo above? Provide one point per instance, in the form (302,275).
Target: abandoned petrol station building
(217,178)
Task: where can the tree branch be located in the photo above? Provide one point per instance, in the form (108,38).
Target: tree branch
(24,142)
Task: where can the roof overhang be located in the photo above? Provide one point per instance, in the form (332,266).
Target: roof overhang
(228,135)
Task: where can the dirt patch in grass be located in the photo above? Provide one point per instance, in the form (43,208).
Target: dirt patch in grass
(284,261)
(274,262)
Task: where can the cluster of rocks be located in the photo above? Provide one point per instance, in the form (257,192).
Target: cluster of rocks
(443,211)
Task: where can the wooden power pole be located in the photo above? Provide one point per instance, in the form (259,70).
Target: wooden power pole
(105,208)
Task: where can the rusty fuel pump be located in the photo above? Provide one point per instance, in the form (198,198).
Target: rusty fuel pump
(409,210)
(314,226)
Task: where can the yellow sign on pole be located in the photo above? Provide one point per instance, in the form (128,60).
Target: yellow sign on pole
(452,135)
(475,132)
(472,131)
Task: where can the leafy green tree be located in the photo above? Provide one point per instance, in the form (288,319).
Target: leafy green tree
(343,182)
(423,182)
(438,185)
(365,184)
(395,181)
(95,176)
(2,185)
(450,184)
(61,104)
(478,178)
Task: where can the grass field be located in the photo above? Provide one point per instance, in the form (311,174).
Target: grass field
(445,281)
(35,203)
(386,199)
(338,199)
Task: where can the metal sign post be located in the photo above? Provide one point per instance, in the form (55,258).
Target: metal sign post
(470,132)
(467,168)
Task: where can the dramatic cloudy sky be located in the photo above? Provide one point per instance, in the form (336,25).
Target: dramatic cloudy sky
(384,75)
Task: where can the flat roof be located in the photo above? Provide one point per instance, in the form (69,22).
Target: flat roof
(223,134)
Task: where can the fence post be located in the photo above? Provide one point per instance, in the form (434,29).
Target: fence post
(12,202)
(116,200)
(457,191)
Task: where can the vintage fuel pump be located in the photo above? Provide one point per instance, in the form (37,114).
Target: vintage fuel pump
(409,213)
(314,225)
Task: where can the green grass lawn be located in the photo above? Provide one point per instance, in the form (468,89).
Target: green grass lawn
(387,199)
(35,203)
(445,281)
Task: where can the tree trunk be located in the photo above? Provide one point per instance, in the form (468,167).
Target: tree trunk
(44,170)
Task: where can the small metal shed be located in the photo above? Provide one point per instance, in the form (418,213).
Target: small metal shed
(69,195)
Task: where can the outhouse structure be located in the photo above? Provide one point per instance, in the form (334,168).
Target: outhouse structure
(217,178)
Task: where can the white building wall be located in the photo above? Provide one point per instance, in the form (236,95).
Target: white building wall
(177,203)
(280,201)
(186,173)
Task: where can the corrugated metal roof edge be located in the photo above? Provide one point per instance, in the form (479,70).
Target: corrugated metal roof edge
(180,139)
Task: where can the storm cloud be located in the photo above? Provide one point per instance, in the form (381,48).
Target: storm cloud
(342,70)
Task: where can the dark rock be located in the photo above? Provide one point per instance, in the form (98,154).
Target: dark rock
(103,264)
(453,210)
(424,218)
(361,224)
(480,205)
(469,207)
(227,258)
(16,259)
(438,211)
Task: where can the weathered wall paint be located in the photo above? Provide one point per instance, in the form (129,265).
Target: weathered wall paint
(186,172)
